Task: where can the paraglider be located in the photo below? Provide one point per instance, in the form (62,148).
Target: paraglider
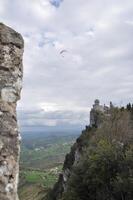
(62,52)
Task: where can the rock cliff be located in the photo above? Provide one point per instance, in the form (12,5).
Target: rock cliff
(11,72)
(99,165)
(71,160)
(98,114)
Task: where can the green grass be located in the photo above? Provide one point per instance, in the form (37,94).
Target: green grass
(47,178)
(33,176)
(45,157)
(35,184)
(40,164)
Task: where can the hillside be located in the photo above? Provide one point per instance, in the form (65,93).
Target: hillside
(100,164)
(41,162)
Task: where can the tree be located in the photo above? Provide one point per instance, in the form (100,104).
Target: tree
(129,106)
(105,171)
(116,127)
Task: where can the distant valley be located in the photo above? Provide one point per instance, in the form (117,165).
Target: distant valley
(42,157)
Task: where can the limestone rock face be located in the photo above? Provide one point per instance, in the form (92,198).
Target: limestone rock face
(11,72)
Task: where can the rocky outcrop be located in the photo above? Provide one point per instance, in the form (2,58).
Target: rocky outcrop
(71,160)
(11,52)
(98,114)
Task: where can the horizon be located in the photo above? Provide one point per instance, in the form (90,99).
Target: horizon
(69,61)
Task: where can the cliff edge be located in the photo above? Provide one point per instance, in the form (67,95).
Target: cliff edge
(11,73)
(100,163)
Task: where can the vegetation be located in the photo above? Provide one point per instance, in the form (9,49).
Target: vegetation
(105,171)
(45,152)
(36,182)
(46,178)
(41,162)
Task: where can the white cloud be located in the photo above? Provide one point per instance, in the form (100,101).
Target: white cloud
(97,37)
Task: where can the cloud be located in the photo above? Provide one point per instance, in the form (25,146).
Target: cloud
(97,36)
(56,3)
(59,120)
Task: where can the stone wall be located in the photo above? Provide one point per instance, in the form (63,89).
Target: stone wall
(98,113)
(11,72)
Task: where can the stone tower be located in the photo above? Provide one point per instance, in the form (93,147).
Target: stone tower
(11,71)
(98,112)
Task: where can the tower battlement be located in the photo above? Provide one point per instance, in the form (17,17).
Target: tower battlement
(97,113)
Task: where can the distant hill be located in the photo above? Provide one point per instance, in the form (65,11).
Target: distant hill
(47,133)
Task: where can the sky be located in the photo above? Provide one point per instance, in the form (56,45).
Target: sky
(75,52)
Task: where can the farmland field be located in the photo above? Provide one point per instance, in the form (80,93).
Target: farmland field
(41,162)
